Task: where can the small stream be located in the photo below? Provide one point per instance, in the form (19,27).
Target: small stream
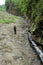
(36,48)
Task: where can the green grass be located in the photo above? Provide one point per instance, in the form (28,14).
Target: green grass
(5,21)
(2,8)
(8,18)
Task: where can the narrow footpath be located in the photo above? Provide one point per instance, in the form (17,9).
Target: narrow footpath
(15,49)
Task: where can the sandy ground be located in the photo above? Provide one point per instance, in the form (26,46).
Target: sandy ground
(16,49)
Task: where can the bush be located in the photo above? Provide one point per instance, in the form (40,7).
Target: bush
(31,8)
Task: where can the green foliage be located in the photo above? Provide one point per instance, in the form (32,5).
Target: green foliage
(31,8)
(2,8)
(19,5)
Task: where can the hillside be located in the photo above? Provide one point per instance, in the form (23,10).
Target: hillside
(15,49)
(33,9)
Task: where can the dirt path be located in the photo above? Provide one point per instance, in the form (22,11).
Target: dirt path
(15,49)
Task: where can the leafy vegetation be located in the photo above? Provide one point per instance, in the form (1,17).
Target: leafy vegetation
(31,8)
(2,8)
(20,6)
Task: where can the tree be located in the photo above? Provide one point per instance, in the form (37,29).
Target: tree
(33,9)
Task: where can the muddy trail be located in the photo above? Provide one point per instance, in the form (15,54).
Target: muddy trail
(16,49)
